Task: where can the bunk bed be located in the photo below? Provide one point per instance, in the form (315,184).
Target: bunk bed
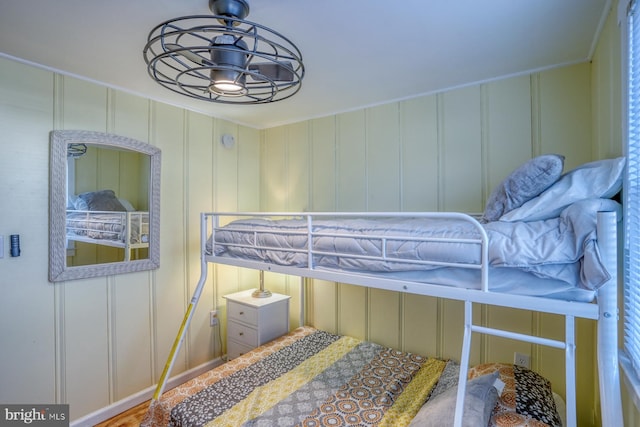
(126,230)
(546,242)
(101,218)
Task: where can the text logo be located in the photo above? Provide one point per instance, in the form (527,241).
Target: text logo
(34,415)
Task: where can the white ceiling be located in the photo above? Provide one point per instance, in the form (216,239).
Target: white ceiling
(357,53)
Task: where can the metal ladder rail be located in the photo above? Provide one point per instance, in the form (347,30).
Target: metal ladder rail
(568,345)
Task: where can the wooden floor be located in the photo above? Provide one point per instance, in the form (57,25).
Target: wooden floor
(130,418)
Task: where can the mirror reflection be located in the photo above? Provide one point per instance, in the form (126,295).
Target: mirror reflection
(104,205)
(107,216)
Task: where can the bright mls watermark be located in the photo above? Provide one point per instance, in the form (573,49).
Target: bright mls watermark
(34,415)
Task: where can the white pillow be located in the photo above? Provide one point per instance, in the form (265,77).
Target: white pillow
(127,205)
(599,179)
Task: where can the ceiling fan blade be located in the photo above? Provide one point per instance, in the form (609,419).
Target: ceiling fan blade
(193,57)
(272,71)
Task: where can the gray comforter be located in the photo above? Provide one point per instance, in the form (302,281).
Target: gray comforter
(562,248)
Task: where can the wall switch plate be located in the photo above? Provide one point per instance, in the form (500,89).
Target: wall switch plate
(213,318)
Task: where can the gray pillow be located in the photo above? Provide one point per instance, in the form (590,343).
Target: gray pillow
(480,399)
(523,184)
(104,200)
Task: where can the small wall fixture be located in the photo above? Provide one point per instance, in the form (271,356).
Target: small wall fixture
(227,140)
(223,58)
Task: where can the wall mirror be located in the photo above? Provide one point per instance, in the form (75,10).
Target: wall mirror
(104,205)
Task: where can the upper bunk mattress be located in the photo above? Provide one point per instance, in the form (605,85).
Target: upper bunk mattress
(561,249)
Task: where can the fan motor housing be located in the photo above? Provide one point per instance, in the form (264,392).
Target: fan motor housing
(233,8)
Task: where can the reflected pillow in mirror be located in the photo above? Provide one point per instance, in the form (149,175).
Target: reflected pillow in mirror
(104,200)
(127,205)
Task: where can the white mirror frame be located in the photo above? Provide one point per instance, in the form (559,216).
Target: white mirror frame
(58,269)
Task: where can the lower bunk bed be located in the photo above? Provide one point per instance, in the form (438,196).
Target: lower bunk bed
(315,378)
(556,253)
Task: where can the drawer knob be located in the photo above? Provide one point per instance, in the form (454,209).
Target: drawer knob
(241,333)
(241,313)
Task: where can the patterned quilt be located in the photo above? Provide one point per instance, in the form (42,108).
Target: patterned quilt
(307,378)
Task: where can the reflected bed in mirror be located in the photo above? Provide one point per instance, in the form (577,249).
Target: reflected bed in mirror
(104,205)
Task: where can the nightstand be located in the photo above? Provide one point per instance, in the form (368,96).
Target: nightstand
(254,321)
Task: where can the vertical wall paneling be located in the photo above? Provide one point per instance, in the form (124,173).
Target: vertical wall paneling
(274,170)
(248,146)
(352,310)
(131,369)
(383,158)
(87,341)
(298,198)
(462,173)
(226,167)
(132,346)
(565,113)
(225,182)
(507,121)
(298,153)
(420,325)
(87,358)
(324,305)
(323,164)
(28,330)
(199,173)
(93,342)
(276,186)
(507,132)
(351,186)
(606,91)
(501,349)
(170,289)
(419,145)
(85,105)
(384,325)
(565,128)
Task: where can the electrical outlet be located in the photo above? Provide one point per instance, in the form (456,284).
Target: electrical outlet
(213,318)
(522,360)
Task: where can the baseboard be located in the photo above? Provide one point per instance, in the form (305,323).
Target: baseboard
(129,402)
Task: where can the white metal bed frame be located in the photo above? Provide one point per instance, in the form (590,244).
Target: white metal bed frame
(604,310)
(120,218)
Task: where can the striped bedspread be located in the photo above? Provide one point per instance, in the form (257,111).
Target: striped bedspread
(306,378)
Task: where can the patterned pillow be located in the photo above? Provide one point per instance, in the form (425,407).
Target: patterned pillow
(526,400)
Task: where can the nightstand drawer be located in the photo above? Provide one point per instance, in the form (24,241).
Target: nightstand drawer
(242,334)
(242,313)
(253,321)
(235,349)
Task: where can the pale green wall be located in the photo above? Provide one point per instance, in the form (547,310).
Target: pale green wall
(440,152)
(93,342)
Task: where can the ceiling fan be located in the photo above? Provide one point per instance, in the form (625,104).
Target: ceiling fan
(224,58)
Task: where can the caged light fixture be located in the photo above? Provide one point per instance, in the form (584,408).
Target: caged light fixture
(223,58)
